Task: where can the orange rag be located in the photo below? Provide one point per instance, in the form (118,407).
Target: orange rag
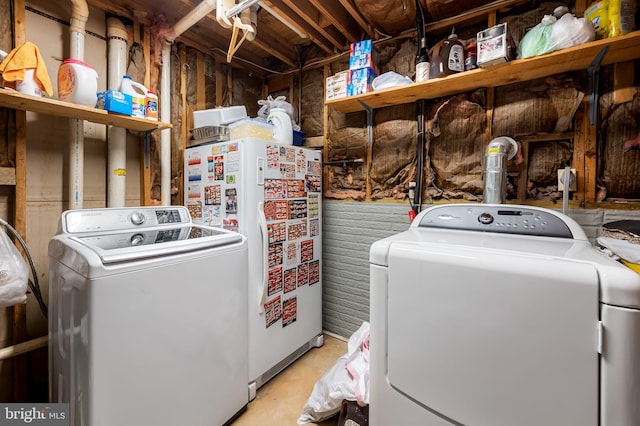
(24,57)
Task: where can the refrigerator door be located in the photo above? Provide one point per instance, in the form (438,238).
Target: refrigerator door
(283,197)
(272,194)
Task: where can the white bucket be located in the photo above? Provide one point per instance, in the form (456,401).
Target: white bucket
(29,85)
(77,83)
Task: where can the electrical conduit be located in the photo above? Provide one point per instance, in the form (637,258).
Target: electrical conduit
(79,16)
(117,136)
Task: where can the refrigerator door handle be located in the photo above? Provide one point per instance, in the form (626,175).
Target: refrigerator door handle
(262,220)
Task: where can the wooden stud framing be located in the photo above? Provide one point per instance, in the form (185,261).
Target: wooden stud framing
(20,219)
(145,169)
(219,89)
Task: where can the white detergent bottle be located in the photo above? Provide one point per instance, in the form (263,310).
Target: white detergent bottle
(137,92)
(282,129)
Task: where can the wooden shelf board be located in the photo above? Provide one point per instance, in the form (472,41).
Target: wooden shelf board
(622,48)
(23,102)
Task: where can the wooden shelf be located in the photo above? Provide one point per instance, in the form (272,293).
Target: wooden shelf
(622,48)
(23,102)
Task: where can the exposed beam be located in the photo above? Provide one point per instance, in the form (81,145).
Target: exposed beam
(338,16)
(267,44)
(353,11)
(219,54)
(311,29)
(313,17)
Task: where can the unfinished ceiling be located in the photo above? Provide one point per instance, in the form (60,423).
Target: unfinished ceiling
(290,33)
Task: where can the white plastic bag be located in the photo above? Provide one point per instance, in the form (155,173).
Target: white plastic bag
(14,273)
(571,31)
(389,79)
(267,104)
(553,34)
(347,379)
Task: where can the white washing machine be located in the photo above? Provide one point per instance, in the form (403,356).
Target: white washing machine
(499,315)
(147,318)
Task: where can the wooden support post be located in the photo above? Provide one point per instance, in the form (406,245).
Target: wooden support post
(219,87)
(145,141)
(20,218)
(201,95)
(584,155)
(229,100)
(325,151)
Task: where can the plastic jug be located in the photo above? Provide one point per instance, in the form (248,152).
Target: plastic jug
(77,83)
(282,129)
(138,93)
(29,85)
(151,104)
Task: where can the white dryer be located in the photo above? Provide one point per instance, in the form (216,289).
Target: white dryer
(500,315)
(147,318)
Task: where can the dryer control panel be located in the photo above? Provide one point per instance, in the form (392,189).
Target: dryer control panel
(500,218)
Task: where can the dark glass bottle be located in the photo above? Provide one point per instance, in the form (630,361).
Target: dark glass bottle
(422,59)
(422,62)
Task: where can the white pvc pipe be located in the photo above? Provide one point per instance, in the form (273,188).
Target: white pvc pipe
(165,134)
(117,136)
(197,13)
(79,16)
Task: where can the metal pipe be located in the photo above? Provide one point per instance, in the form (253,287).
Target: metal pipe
(499,151)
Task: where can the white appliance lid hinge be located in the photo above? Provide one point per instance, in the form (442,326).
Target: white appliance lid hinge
(600,331)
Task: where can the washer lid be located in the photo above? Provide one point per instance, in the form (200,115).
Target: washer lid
(130,245)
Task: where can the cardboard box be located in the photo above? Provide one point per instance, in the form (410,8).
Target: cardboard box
(363,54)
(336,85)
(114,101)
(360,81)
(492,46)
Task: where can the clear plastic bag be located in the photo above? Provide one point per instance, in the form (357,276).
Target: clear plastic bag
(14,273)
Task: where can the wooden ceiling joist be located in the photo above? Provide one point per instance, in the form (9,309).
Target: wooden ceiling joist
(338,16)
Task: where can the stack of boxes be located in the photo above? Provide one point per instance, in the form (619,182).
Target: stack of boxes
(364,65)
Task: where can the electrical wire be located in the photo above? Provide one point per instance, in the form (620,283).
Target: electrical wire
(33,285)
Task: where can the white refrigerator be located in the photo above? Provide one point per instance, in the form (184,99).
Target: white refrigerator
(272,194)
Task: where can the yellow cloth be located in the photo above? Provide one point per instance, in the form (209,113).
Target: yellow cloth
(22,58)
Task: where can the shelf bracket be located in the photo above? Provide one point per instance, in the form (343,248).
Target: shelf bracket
(593,74)
(369,112)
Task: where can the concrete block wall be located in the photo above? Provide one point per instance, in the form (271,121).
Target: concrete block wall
(349,229)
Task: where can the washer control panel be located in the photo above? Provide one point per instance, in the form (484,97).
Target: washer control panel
(505,219)
(117,219)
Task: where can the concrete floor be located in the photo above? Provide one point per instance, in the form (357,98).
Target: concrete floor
(279,402)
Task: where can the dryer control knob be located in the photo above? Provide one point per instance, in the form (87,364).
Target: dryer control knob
(137,218)
(485,218)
